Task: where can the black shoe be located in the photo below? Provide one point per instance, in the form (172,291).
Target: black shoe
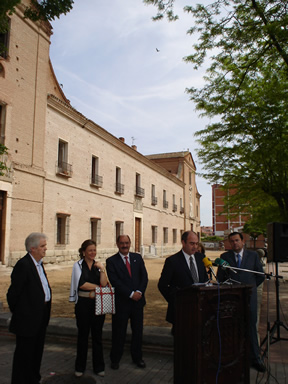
(259,366)
(115,365)
(140,364)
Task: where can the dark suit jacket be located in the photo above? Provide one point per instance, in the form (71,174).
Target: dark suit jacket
(176,275)
(26,299)
(250,261)
(123,283)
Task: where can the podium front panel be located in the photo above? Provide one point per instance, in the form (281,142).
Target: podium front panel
(212,335)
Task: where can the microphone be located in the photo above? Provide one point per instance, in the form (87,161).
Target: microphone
(222,263)
(208,264)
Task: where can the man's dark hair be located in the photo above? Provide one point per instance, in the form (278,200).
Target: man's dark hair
(119,236)
(186,234)
(234,234)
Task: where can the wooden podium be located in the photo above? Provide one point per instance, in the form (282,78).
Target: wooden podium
(202,314)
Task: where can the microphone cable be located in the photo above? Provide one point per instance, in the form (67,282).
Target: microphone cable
(219,334)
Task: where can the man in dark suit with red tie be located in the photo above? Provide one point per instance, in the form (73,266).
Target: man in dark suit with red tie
(182,270)
(127,273)
(29,299)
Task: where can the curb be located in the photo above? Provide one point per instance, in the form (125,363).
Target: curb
(66,328)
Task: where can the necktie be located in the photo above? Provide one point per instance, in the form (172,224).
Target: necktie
(238,260)
(127,264)
(193,270)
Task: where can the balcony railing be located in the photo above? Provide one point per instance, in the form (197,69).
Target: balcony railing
(174,207)
(97,180)
(181,209)
(119,188)
(64,169)
(140,192)
(165,204)
(6,170)
(154,200)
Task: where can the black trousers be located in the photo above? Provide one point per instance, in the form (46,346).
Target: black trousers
(254,345)
(28,356)
(86,320)
(119,329)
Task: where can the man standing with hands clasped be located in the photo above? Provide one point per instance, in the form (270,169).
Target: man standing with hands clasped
(29,299)
(245,259)
(127,273)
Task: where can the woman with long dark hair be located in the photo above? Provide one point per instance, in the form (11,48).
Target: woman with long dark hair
(86,275)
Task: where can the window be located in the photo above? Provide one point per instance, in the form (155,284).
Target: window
(2,123)
(119,225)
(62,228)
(139,191)
(190,178)
(62,152)
(4,41)
(165,235)
(181,205)
(96,230)
(119,188)
(63,168)
(96,180)
(174,204)
(154,234)
(174,235)
(153,197)
(165,202)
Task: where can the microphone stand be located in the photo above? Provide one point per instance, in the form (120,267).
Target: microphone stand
(211,270)
(248,270)
(268,334)
(230,281)
(270,338)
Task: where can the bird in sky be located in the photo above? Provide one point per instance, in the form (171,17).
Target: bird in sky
(157,50)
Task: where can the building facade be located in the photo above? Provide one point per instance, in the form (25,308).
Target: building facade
(225,222)
(70,178)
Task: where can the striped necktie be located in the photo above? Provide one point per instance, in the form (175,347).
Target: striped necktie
(238,260)
(193,271)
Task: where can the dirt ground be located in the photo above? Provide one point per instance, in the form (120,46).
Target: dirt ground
(59,278)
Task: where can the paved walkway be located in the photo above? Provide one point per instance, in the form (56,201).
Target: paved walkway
(59,357)
(59,354)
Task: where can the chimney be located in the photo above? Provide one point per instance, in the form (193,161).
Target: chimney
(122,139)
(134,147)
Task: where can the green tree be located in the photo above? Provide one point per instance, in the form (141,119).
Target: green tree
(38,10)
(248,147)
(245,91)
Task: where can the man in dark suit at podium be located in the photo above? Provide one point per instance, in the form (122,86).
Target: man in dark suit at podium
(182,270)
(241,258)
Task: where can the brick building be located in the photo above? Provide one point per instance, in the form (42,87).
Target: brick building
(225,221)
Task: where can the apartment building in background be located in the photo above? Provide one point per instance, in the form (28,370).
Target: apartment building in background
(225,221)
(70,178)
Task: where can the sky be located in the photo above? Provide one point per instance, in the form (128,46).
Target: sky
(126,73)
